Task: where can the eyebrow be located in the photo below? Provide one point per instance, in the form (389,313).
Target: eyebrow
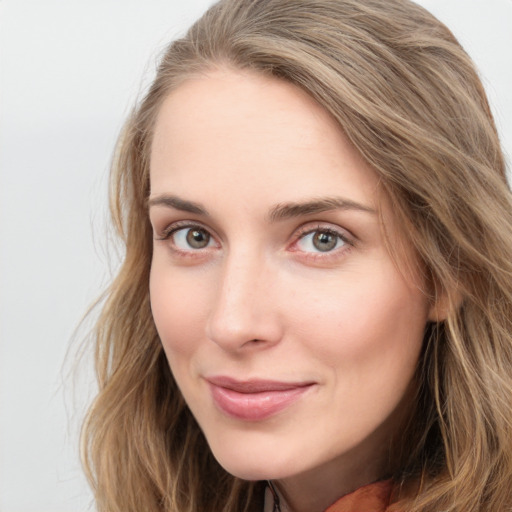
(281,211)
(178,204)
(289,210)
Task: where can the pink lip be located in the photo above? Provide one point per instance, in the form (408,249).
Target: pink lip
(254,400)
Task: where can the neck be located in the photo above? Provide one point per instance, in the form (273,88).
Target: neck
(316,489)
(314,492)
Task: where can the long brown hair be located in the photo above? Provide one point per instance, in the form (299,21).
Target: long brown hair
(408,97)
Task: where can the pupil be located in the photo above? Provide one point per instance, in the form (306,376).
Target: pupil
(324,241)
(197,238)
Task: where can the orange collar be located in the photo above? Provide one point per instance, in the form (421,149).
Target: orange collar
(370,498)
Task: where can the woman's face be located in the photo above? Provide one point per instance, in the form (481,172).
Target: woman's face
(287,326)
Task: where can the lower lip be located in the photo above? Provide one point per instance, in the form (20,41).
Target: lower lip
(255,406)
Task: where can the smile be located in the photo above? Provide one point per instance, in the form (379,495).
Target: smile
(254,400)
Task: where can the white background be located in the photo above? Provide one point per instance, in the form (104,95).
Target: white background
(70,71)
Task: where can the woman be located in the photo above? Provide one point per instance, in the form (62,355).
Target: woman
(314,311)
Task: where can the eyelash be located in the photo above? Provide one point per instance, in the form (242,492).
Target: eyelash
(173,228)
(348,241)
(336,253)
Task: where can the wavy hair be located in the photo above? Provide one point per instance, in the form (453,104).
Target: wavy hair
(408,97)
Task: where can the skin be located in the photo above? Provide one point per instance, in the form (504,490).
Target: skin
(261,301)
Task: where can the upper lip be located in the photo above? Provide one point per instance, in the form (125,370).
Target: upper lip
(255,385)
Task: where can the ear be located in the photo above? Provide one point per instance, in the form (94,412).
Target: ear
(444,304)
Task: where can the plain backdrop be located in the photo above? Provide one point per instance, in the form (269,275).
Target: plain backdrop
(70,71)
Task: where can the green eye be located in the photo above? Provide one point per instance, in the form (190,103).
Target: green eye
(324,241)
(191,238)
(320,240)
(197,238)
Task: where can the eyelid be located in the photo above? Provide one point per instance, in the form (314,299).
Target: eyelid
(187,255)
(308,228)
(344,234)
(171,228)
(319,257)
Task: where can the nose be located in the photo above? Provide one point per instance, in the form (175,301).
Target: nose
(244,313)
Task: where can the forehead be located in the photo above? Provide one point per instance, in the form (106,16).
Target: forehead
(254,132)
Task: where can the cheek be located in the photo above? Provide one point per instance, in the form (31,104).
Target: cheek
(178,305)
(371,324)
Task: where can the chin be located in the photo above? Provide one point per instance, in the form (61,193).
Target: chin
(245,468)
(252,474)
(256,464)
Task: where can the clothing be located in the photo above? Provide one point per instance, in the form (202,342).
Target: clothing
(370,498)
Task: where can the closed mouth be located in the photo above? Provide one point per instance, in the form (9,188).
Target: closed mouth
(255,399)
